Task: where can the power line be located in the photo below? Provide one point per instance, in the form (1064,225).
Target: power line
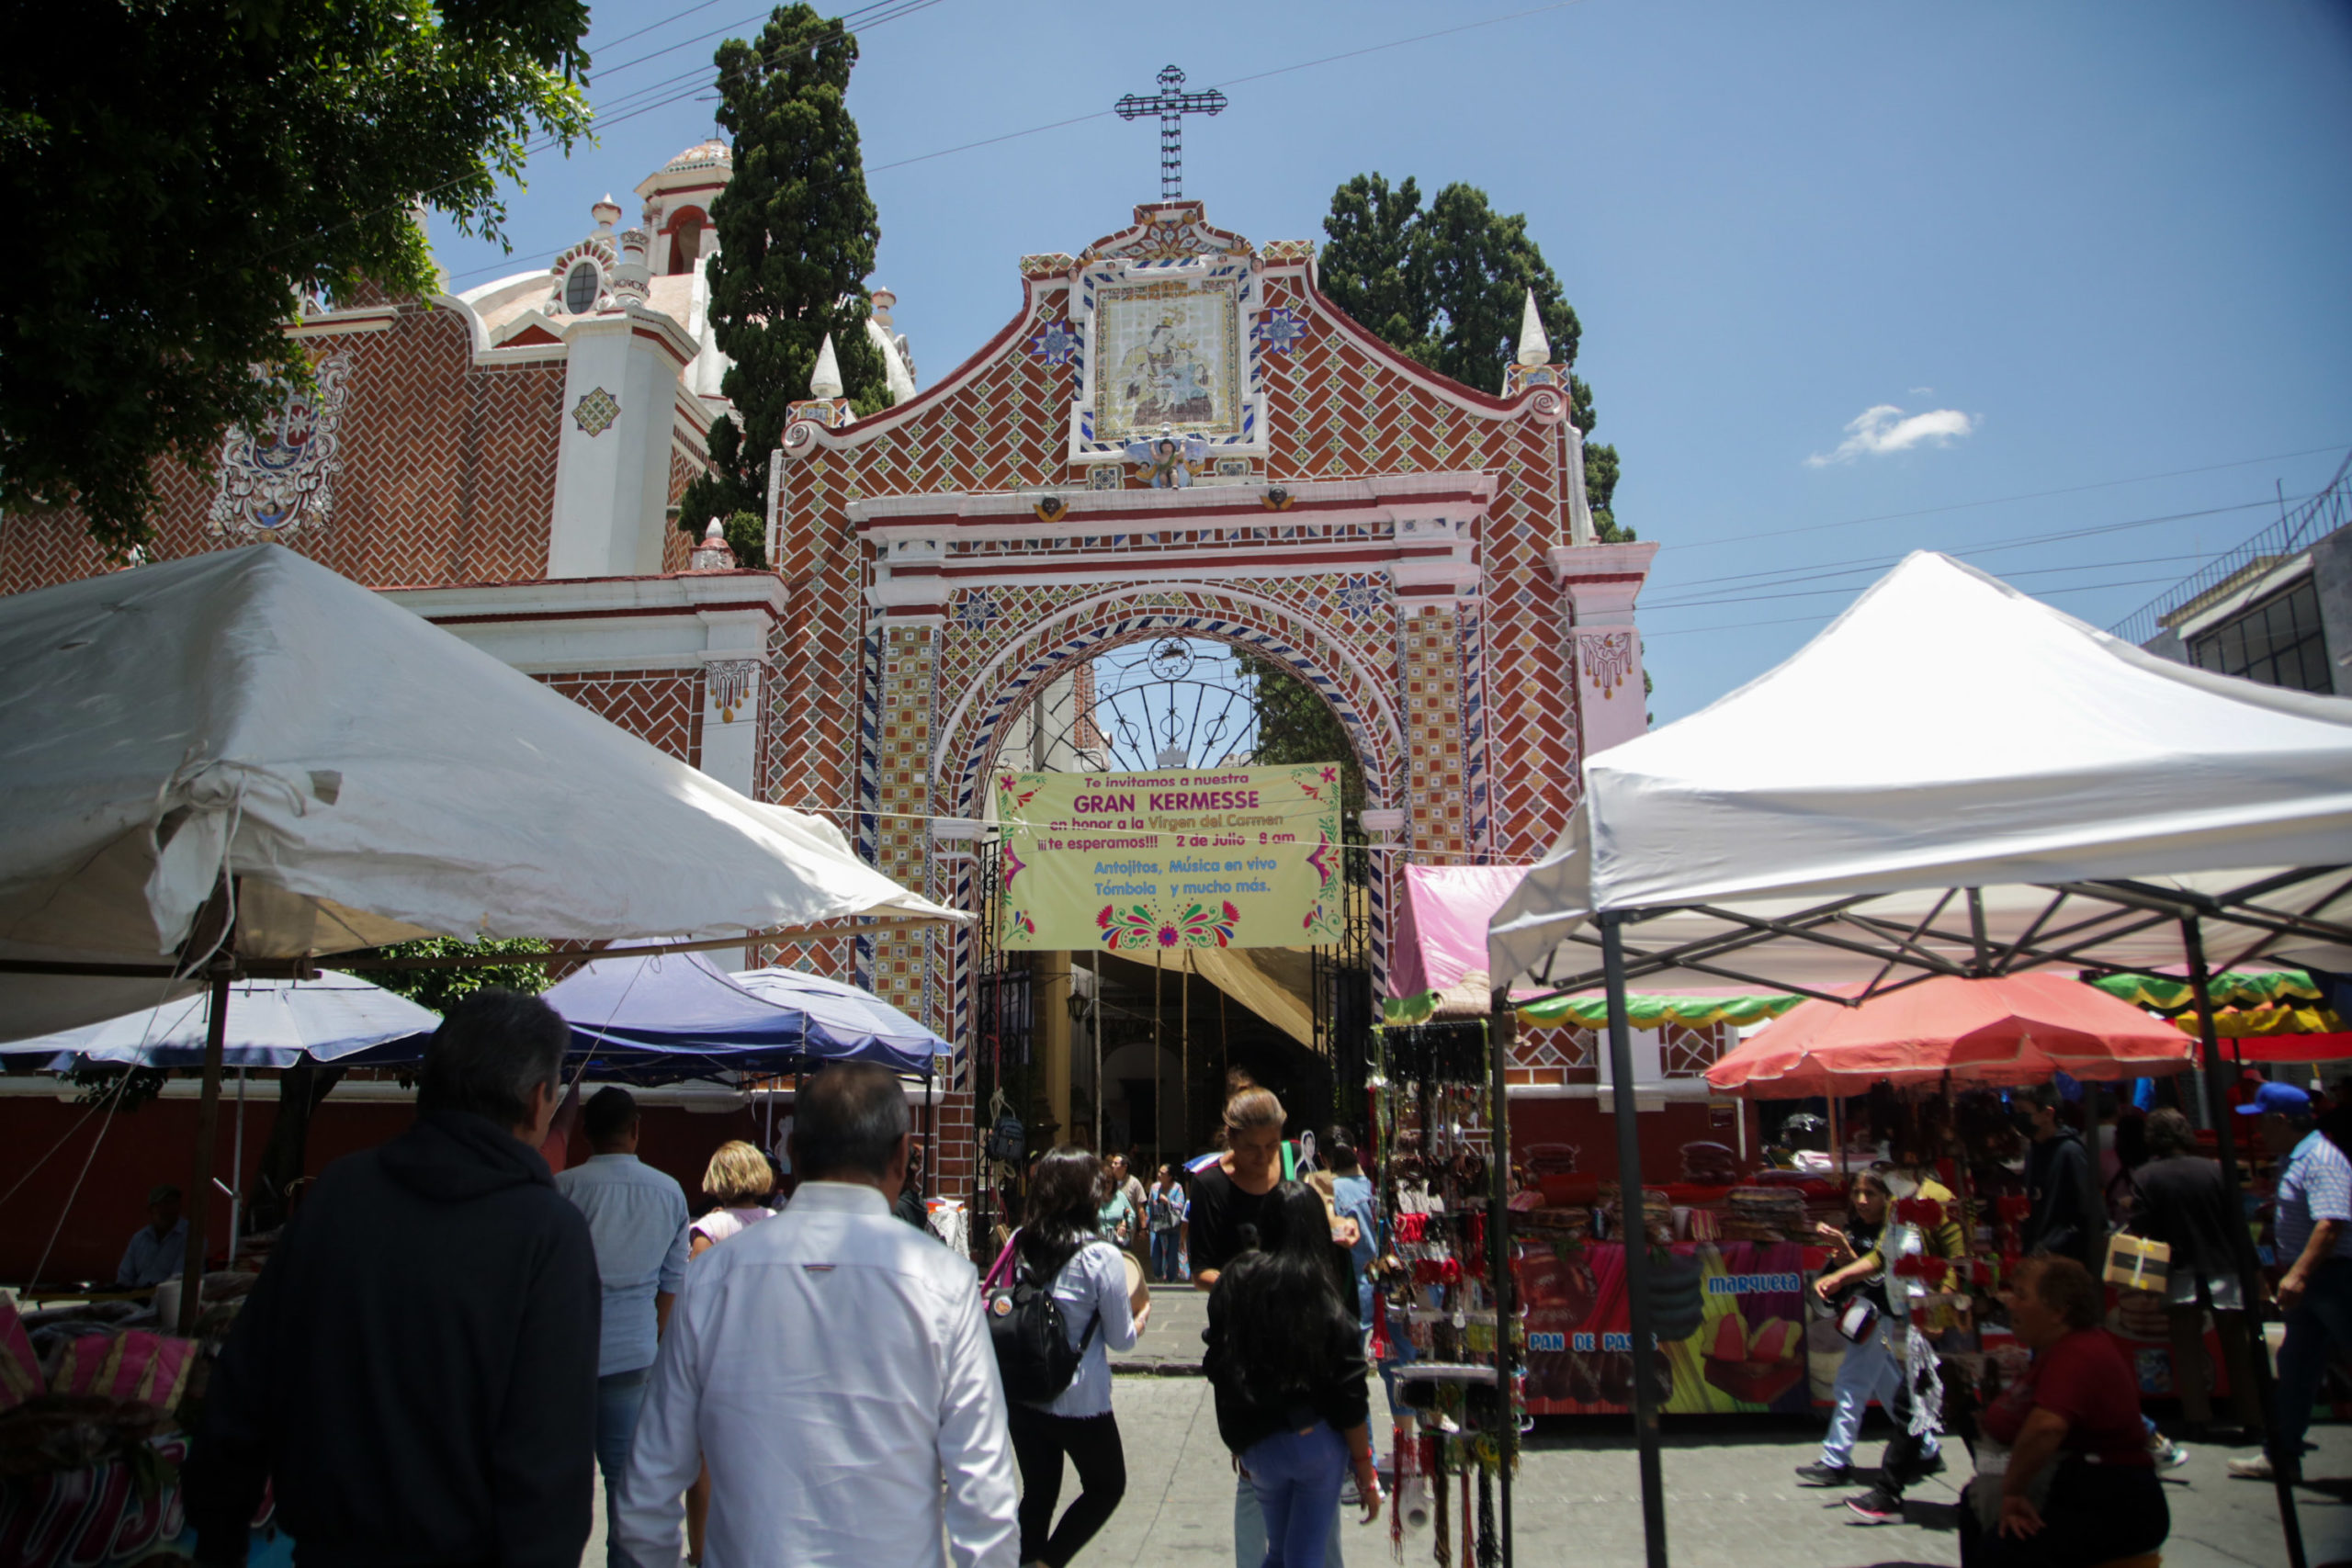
(2030,572)
(906,6)
(2004,499)
(1815,620)
(1779,575)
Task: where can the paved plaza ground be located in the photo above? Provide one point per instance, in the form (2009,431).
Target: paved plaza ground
(1732,1499)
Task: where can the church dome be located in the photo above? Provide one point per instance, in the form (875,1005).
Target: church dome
(701,155)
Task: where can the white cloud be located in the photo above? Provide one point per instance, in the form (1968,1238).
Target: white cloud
(1886,428)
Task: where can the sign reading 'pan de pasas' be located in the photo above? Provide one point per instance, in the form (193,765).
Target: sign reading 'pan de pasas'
(1138,863)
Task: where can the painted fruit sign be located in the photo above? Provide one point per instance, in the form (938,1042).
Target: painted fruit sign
(1730,1318)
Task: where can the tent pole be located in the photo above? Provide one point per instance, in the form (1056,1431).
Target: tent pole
(1158,1113)
(2192,941)
(207,1119)
(237,1171)
(1636,1241)
(1500,1031)
(1184,1081)
(1094,1028)
(922,1185)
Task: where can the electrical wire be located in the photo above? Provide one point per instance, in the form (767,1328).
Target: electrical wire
(1716,589)
(1815,620)
(905,7)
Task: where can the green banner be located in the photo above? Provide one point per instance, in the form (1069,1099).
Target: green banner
(1143,862)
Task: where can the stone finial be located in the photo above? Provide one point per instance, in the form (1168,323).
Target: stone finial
(606,213)
(714,554)
(1534,348)
(883,300)
(827,380)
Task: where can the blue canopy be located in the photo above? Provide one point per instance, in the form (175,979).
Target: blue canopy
(678,1015)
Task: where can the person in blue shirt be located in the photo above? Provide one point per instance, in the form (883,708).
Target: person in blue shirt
(637,1217)
(2314,1230)
(159,1251)
(1352,1200)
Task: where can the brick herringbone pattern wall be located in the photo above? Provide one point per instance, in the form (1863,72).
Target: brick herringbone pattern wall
(448,472)
(663,707)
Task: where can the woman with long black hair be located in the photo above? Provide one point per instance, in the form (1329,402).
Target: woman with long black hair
(1058,1242)
(1287,1363)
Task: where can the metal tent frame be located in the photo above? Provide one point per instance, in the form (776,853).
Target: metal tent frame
(2078,920)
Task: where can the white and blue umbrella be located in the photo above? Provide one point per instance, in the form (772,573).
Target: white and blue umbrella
(271,1023)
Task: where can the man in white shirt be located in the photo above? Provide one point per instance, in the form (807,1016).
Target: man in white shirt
(637,1217)
(832,1368)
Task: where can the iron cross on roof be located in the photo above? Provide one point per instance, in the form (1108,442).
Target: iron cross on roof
(1171,105)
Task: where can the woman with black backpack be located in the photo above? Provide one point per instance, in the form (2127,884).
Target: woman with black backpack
(1058,1243)
(1287,1363)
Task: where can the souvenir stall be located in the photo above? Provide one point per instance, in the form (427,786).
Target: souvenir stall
(1445,1328)
(2028,793)
(194,804)
(1919,1054)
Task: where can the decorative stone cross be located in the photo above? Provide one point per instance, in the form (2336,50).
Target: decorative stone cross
(1171,104)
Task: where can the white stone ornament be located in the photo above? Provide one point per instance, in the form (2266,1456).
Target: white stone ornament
(826,382)
(1534,348)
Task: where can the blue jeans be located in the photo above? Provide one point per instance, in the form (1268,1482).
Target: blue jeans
(1871,1369)
(1166,1263)
(1296,1476)
(618,1399)
(2324,1316)
(1249,1530)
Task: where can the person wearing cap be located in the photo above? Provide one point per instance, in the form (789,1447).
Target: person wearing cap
(2314,1227)
(159,1249)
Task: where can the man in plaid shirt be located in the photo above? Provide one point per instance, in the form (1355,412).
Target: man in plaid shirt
(2314,1227)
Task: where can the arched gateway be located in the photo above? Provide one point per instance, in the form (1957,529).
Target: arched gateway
(1180,435)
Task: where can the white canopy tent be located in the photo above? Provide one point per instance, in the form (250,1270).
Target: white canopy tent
(240,763)
(360,775)
(1952,779)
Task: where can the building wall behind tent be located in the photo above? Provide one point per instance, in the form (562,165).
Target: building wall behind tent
(157,1142)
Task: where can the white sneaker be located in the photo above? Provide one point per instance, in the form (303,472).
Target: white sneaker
(2255,1469)
(2168,1454)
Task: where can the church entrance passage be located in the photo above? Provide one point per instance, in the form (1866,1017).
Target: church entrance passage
(1130,1053)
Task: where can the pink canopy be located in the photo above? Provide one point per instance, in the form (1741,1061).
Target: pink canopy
(2012,1030)
(1441,929)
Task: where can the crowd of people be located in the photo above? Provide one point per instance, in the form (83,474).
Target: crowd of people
(450,1339)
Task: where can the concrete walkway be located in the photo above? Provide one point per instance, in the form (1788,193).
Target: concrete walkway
(1732,1498)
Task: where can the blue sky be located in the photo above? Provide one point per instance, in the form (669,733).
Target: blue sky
(2053,246)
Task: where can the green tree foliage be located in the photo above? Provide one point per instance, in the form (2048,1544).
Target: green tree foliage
(1446,286)
(441,989)
(191,168)
(1296,725)
(796,235)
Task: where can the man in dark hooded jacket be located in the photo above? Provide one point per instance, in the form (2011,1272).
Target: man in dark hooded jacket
(415,1371)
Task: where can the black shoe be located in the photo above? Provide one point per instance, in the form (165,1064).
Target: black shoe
(1876,1508)
(1819,1474)
(1932,1465)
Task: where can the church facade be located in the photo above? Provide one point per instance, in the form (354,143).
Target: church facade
(1178,435)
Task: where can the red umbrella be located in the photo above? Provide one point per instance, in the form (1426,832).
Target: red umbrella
(2016,1029)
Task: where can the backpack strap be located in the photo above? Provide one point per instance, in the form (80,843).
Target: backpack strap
(1003,1258)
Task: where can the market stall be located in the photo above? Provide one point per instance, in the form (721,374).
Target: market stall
(2027,793)
(241,766)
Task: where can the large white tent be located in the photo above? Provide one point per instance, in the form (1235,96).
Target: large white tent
(1953,779)
(364,777)
(1949,732)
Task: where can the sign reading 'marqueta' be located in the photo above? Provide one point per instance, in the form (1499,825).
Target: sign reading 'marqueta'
(1140,862)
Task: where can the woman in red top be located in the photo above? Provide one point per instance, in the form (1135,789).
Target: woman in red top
(2078,1486)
